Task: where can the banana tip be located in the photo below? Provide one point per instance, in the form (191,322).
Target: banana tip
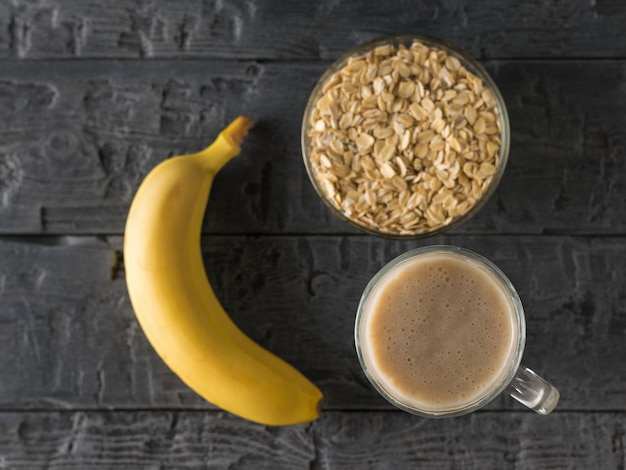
(238,129)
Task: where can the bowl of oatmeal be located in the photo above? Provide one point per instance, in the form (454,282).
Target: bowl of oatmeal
(405,136)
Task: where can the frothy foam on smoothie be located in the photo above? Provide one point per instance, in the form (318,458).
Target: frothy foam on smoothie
(439,332)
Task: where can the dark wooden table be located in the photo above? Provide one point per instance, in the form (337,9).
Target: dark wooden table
(94,94)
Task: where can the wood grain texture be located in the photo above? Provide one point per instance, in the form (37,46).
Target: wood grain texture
(76,141)
(266,29)
(95,94)
(364,440)
(69,337)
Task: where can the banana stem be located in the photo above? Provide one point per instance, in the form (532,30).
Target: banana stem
(237,130)
(227,145)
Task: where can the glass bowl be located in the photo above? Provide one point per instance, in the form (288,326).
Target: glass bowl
(342,203)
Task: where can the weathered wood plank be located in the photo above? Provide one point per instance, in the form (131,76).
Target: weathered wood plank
(75,145)
(267,29)
(364,440)
(69,337)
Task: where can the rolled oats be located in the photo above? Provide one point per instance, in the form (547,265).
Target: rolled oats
(404,140)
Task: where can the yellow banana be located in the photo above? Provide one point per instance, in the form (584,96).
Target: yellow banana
(177,308)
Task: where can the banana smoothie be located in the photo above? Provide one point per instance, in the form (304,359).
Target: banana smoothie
(438,332)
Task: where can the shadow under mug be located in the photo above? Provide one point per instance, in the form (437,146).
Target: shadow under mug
(519,381)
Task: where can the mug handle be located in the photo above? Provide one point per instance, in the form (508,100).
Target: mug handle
(533,391)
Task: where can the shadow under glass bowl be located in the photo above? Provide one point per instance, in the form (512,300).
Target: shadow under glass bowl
(407,40)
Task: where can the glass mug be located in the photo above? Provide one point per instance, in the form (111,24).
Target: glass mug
(410,358)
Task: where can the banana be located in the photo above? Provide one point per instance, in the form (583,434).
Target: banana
(177,308)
